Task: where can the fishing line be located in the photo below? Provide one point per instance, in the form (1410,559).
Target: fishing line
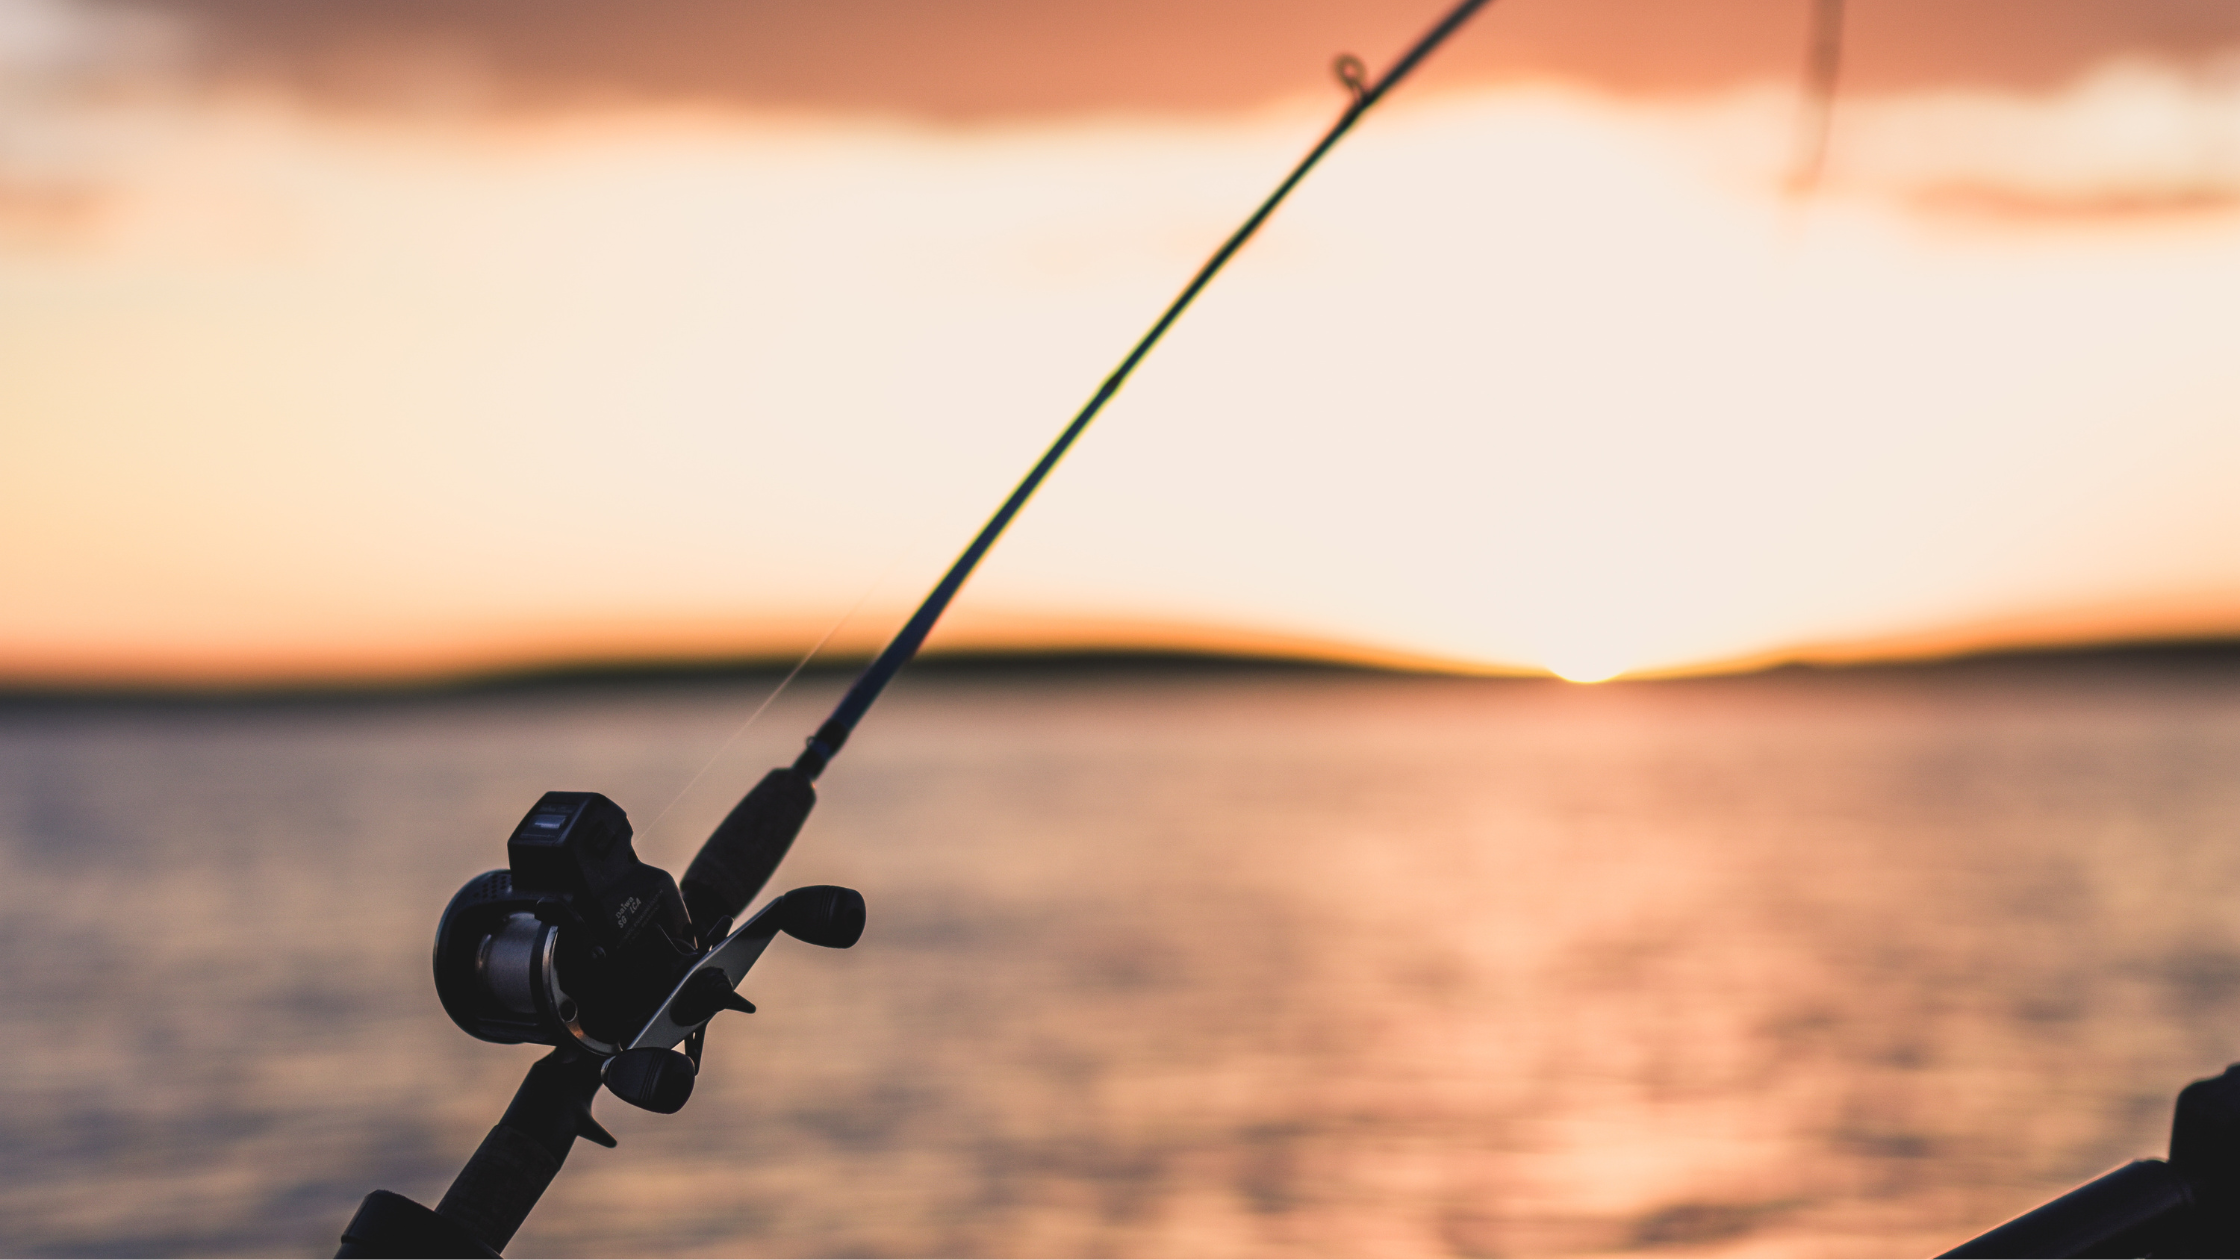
(779,690)
(1353,75)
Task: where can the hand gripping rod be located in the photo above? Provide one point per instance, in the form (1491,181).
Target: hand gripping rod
(748,845)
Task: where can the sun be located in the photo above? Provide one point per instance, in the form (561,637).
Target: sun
(1585,670)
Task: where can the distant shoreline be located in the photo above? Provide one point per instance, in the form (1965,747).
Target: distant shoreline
(2170,654)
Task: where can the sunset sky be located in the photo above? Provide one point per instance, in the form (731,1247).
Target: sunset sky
(372,339)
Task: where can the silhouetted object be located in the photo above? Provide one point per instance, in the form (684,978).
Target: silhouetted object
(516,954)
(2188,1205)
(1823,65)
(581,946)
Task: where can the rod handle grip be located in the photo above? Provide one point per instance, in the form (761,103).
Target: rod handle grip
(745,849)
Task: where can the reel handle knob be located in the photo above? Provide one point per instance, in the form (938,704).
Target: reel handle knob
(824,914)
(654,1079)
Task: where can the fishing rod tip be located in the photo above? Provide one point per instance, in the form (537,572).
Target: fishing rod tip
(1353,74)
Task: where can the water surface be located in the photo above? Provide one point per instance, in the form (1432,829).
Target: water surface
(1165,962)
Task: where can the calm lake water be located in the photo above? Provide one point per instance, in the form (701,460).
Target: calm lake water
(1165,962)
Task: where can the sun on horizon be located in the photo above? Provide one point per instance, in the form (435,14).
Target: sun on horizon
(1586,671)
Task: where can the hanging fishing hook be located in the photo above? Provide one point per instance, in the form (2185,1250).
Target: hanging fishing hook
(1816,106)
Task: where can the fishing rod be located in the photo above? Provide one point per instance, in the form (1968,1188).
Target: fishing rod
(579,945)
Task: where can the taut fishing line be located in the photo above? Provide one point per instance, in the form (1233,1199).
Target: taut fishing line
(777,691)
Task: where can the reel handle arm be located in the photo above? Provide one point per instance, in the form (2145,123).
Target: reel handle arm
(820,914)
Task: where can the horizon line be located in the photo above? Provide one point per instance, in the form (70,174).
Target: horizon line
(590,672)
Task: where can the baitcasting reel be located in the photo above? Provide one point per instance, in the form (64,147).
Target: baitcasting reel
(578,944)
